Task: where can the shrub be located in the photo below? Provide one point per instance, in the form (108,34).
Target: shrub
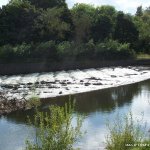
(125,52)
(34,101)
(9,52)
(113,50)
(65,50)
(23,50)
(108,50)
(125,131)
(6,52)
(54,130)
(85,50)
(46,50)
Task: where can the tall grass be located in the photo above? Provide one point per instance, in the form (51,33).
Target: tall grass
(54,129)
(127,134)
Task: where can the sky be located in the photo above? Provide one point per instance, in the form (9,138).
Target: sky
(128,6)
(3,2)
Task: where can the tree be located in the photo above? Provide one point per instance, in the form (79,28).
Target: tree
(50,25)
(107,10)
(139,11)
(16,22)
(82,15)
(102,28)
(48,3)
(104,21)
(143,25)
(125,30)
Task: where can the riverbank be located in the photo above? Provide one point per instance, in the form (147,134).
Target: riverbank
(8,106)
(20,88)
(45,66)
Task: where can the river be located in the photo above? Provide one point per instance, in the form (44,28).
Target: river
(98,107)
(52,84)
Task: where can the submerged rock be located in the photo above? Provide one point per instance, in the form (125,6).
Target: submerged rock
(87,84)
(60,92)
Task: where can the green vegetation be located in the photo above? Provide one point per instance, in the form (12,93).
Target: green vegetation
(52,51)
(49,30)
(34,101)
(54,130)
(126,134)
(143,56)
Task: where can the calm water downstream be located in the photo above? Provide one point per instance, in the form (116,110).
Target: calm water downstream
(97,106)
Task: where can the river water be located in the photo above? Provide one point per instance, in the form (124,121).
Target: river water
(98,107)
(52,84)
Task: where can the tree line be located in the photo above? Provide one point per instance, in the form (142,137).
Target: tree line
(49,29)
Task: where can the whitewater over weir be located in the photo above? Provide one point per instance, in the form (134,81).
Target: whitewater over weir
(53,84)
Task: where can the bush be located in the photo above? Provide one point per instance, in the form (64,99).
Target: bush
(6,52)
(9,52)
(54,130)
(65,50)
(113,50)
(34,101)
(125,131)
(23,50)
(45,50)
(85,50)
(108,50)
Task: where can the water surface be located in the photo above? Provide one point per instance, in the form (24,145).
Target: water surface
(98,107)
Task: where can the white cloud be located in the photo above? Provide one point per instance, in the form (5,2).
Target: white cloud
(3,2)
(128,6)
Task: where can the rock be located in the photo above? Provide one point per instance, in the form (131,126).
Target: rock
(60,92)
(143,72)
(15,87)
(29,83)
(67,88)
(130,74)
(113,76)
(94,78)
(51,82)
(53,87)
(37,83)
(69,83)
(8,106)
(97,84)
(7,86)
(46,92)
(87,84)
(56,81)
(63,83)
(43,82)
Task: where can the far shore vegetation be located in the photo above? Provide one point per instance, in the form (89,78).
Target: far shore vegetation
(47,30)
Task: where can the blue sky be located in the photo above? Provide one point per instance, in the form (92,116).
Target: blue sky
(128,6)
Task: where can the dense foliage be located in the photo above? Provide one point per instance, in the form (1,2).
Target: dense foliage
(48,29)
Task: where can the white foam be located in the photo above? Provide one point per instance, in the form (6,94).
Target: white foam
(71,82)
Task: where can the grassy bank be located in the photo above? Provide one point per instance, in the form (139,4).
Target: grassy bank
(143,56)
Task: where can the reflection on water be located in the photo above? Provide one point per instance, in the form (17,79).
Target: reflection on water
(98,106)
